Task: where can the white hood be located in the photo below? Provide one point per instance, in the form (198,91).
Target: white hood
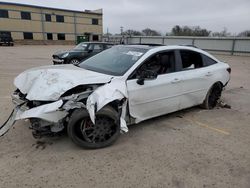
(48,83)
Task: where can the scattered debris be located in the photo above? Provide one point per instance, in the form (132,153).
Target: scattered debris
(41,144)
(223,104)
(16,156)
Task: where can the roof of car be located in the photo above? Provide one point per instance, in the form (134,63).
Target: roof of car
(97,43)
(142,46)
(159,47)
(154,46)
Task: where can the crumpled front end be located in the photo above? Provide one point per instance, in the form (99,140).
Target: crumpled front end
(47,118)
(48,95)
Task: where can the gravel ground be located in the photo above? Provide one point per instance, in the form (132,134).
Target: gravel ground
(190,148)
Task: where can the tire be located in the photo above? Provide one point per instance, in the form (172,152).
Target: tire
(212,96)
(103,133)
(74,61)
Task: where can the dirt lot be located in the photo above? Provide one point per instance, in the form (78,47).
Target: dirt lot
(191,148)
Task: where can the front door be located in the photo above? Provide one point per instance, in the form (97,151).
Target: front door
(155,96)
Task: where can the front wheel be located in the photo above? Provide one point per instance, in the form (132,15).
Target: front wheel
(213,96)
(103,133)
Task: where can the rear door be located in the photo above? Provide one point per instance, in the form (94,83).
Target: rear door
(197,78)
(158,96)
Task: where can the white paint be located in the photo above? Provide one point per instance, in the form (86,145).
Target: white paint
(156,97)
(49,112)
(48,83)
(116,90)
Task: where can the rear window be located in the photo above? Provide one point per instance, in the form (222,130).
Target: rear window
(191,59)
(208,61)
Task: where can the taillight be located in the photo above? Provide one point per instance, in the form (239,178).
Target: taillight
(229,70)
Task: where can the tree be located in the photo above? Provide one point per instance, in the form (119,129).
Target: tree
(189,31)
(223,33)
(131,32)
(244,33)
(150,32)
(176,30)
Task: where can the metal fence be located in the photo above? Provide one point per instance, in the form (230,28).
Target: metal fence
(230,45)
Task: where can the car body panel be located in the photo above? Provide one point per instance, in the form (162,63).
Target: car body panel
(196,83)
(155,97)
(48,83)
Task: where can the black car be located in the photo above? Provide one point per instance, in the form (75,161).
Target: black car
(81,52)
(6,40)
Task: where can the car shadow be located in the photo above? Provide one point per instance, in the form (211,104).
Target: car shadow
(163,118)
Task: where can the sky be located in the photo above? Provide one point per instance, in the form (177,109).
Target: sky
(161,15)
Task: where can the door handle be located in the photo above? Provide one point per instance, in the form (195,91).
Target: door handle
(176,80)
(209,74)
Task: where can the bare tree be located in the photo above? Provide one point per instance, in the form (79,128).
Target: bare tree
(189,31)
(132,32)
(223,33)
(150,32)
(244,33)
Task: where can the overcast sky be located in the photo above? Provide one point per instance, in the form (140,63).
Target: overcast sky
(161,15)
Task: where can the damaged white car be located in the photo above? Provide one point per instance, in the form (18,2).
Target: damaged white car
(122,85)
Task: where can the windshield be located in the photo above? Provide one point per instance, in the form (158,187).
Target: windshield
(81,46)
(114,61)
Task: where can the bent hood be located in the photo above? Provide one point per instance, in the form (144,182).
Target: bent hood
(48,83)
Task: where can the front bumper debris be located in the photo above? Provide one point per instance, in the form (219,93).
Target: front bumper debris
(9,123)
(48,112)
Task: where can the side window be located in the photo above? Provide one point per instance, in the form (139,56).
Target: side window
(208,61)
(49,36)
(25,15)
(160,63)
(108,46)
(91,47)
(97,48)
(94,21)
(59,18)
(48,17)
(60,36)
(27,35)
(4,14)
(95,37)
(190,59)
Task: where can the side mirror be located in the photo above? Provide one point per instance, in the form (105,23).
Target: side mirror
(146,75)
(90,50)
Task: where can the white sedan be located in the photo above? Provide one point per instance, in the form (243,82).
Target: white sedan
(123,85)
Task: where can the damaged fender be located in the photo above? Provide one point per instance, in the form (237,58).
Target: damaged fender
(115,90)
(9,123)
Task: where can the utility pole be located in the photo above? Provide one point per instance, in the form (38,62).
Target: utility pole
(122,37)
(121,30)
(108,33)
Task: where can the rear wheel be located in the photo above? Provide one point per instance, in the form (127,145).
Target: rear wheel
(213,96)
(103,133)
